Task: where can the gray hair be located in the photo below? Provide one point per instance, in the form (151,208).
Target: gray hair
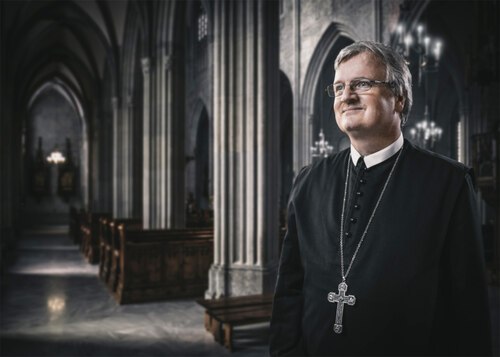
(397,71)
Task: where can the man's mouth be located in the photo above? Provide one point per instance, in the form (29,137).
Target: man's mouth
(351,109)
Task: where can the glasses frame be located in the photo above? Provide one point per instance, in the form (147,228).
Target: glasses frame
(331,93)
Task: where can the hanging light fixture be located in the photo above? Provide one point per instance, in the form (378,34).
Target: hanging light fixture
(426,133)
(321,147)
(427,49)
(56,157)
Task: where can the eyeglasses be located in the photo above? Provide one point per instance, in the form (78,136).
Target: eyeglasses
(356,86)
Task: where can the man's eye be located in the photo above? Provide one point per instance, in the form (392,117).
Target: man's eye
(362,85)
(338,88)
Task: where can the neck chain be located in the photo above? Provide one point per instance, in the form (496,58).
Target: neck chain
(341,298)
(344,275)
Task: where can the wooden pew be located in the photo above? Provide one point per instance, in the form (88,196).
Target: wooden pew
(110,248)
(84,230)
(74,226)
(90,236)
(76,218)
(104,248)
(162,264)
(221,315)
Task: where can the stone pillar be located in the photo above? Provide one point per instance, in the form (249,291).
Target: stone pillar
(246,147)
(168,183)
(170,141)
(165,112)
(116,159)
(377,20)
(95,171)
(166,103)
(299,147)
(146,142)
(163,144)
(127,157)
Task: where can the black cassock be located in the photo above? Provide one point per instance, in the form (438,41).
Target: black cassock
(418,278)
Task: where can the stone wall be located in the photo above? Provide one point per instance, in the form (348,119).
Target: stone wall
(356,16)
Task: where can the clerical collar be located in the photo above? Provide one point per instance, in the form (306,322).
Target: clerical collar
(379,156)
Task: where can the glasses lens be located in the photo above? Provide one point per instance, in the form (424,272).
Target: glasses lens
(338,89)
(361,85)
(329,90)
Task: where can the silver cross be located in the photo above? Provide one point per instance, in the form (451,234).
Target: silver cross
(340,299)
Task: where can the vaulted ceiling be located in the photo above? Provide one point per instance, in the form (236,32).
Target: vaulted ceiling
(65,43)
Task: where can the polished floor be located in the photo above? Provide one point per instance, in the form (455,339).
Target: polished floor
(53,304)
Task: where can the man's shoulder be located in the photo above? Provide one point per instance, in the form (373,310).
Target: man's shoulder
(323,166)
(428,161)
(318,173)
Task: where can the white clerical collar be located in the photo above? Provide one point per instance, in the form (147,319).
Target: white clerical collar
(379,156)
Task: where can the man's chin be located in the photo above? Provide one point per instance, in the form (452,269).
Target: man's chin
(349,127)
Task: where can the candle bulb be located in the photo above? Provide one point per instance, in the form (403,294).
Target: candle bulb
(437,50)
(420,31)
(408,42)
(427,42)
(400,31)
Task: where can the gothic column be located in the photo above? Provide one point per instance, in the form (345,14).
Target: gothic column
(96,172)
(378,14)
(117,160)
(171,140)
(146,145)
(299,129)
(163,91)
(246,147)
(163,144)
(127,151)
(169,150)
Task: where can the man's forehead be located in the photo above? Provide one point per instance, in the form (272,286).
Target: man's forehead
(360,65)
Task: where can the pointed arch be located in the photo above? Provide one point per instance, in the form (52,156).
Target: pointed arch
(335,36)
(61,86)
(286,143)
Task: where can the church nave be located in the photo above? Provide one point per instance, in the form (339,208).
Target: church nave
(53,304)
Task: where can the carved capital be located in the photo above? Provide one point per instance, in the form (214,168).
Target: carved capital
(146,65)
(114,103)
(167,62)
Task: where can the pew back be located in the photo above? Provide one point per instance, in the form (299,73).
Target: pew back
(160,264)
(111,278)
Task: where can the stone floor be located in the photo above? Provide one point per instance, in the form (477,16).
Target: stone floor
(53,304)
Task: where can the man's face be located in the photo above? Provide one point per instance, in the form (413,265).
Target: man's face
(371,113)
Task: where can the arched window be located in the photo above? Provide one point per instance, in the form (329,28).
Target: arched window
(202,25)
(201,39)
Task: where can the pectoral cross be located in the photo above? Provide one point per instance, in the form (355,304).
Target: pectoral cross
(340,299)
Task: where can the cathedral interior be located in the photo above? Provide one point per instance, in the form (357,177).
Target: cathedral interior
(195,116)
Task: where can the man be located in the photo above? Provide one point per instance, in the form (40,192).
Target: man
(383,251)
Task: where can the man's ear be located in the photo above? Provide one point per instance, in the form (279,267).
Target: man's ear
(400,103)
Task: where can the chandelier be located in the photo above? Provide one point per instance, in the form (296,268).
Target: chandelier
(56,157)
(427,50)
(426,133)
(321,147)
(425,53)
